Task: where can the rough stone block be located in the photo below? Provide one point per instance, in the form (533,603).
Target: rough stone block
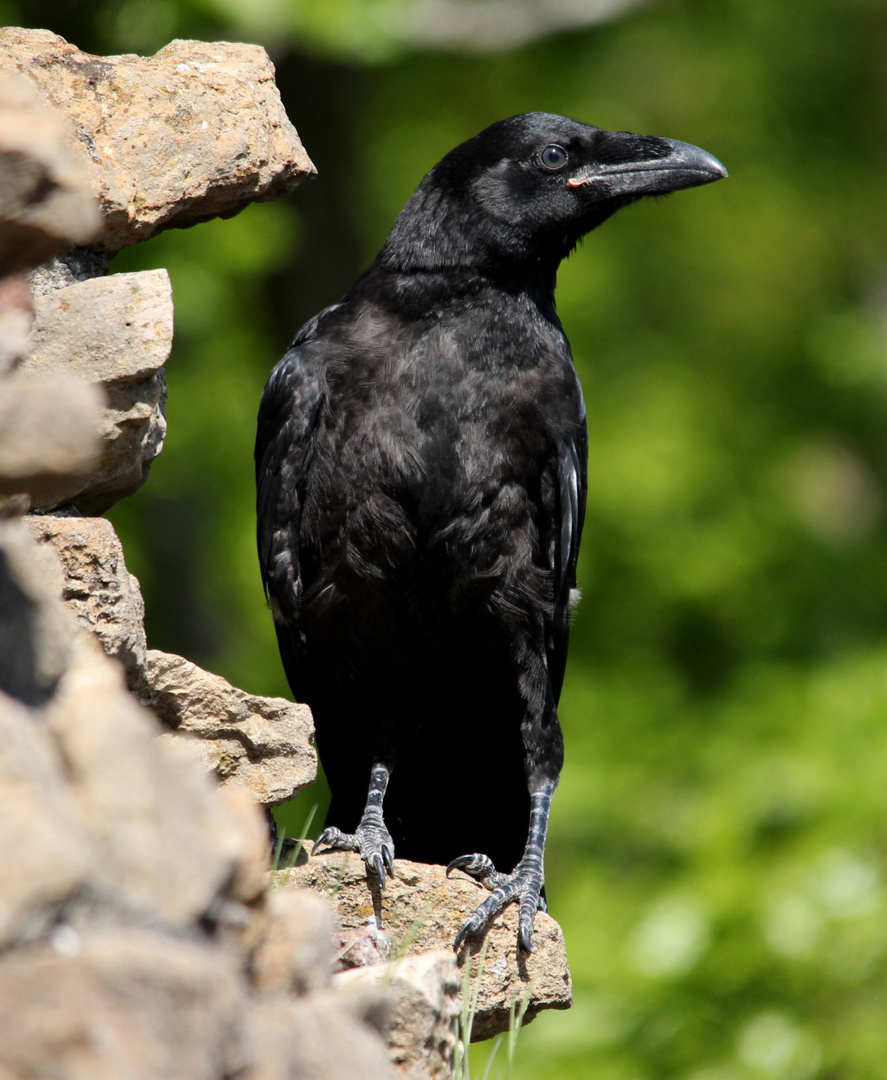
(120,1003)
(83,559)
(164,848)
(421,910)
(42,851)
(194,132)
(312,1039)
(45,201)
(421,1027)
(295,954)
(48,437)
(35,644)
(116,331)
(264,744)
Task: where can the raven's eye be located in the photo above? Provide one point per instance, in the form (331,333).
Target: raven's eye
(553,157)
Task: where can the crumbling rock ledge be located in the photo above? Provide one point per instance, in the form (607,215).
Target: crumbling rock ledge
(136,934)
(44,202)
(194,132)
(263,744)
(82,559)
(420,910)
(420,1024)
(115,333)
(49,444)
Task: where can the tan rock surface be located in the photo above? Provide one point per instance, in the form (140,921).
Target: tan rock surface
(164,847)
(120,1003)
(45,200)
(309,1039)
(421,1027)
(16,319)
(194,132)
(48,437)
(83,558)
(35,639)
(43,852)
(136,938)
(264,744)
(253,856)
(421,910)
(295,954)
(115,331)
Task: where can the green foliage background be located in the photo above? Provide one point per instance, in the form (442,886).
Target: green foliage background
(719,843)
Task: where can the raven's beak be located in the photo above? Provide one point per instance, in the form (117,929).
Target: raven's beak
(650,166)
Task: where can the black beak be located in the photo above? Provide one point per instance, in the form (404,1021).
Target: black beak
(636,165)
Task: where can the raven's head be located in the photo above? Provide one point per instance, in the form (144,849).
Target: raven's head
(528,188)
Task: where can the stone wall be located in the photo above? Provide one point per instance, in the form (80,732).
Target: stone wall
(140,933)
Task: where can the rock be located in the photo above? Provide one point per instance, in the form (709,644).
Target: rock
(164,848)
(16,319)
(421,1030)
(43,852)
(264,744)
(325,1034)
(116,331)
(83,558)
(113,330)
(367,1000)
(75,264)
(194,132)
(35,644)
(48,437)
(249,881)
(295,954)
(421,910)
(45,200)
(311,1039)
(120,1003)
(365,946)
(136,936)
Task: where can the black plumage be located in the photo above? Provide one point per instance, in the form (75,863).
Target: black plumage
(421,470)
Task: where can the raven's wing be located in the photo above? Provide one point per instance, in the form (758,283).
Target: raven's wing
(285,441)
(572,486)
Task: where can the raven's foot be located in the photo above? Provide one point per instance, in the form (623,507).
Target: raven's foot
(371,839)
(524,885)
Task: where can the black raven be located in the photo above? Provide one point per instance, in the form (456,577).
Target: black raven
(421,470)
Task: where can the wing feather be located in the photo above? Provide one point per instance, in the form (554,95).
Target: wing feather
(287,426)
(572,486)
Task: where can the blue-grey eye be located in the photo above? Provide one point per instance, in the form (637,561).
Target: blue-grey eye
(553,157)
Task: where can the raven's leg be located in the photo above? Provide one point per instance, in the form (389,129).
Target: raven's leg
(371,838)
(524,884)
(543,758)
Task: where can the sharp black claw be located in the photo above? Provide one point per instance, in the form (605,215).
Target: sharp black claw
(321,841)
(476,866)
(467,930)
(523,884)
(376,864)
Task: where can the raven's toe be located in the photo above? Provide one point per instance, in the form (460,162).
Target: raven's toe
(373,841)
(481,868)
(524,885)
